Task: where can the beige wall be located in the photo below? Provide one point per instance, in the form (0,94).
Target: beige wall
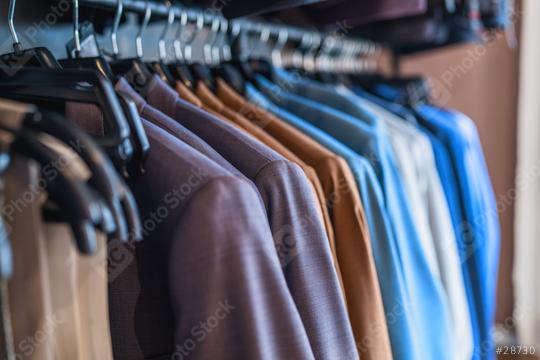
(481,81)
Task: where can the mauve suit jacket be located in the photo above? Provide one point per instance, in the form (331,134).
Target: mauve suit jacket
(174,128)
(205,282)
(298,233)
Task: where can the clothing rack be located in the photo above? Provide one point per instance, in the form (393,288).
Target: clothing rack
(332,250)
(302,36)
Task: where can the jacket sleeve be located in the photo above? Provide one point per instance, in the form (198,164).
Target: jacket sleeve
(228,292)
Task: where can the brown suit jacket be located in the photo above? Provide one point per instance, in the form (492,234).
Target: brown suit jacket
(300,240)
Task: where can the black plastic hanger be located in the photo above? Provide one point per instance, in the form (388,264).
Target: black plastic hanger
(73,197)
(78,204)
(236,70)
(242,68)
(80,86)
(104,177)
(159,66)
(138,137)
(163,71)
(182,73)
(179,69)
(29,80)
(83,59)
(201,71)
(20,57)
(96,63)
(412,90)
(325,59)
(134,69)
(74,48)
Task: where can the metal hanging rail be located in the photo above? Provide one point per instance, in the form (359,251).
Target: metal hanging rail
(246,25)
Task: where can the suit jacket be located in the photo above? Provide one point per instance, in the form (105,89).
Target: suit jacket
(299,235)
(216,263)
(174,128)
(211,102)
(196,285)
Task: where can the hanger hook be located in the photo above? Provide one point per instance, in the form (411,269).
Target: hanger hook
(210,40)
(11,14)
(354,56)
(234,34)
(116,24)
(308,59)
(227,54)
(144,24)
(76,32)
(265,35)
(236,29)
(170,21)
(357,56)
(219,40)
(349,59)
(276,54)
(338,50)
(298,56)
(322,59)
(199,26)
(177,43)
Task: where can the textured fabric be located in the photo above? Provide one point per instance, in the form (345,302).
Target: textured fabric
(174,128)
(67,317)
(349,104)
(366,138)
(450,186)
(416,162)
(198,269)
(479,230)
(187,94)
(79,301)
(29,287)
(217,105)
(299,236)
(353,247)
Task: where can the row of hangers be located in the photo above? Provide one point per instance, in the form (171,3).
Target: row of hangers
(222,44)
